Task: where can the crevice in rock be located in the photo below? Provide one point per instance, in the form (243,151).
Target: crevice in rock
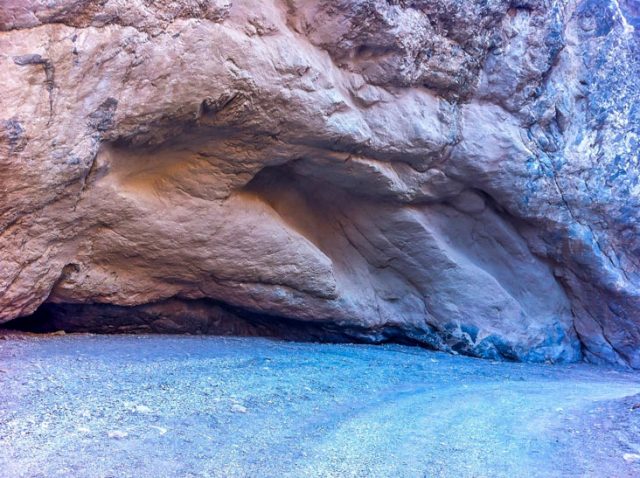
(49,72)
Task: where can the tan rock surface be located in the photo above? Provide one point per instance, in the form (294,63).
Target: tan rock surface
(370,167)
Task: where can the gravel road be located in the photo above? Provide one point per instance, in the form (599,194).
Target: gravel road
(165,406)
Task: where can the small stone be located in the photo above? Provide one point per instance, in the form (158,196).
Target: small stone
(237,408)
(631,457)
(118,434)
(161,430)
(142,409)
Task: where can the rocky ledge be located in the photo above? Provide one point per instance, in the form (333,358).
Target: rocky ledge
(463,175)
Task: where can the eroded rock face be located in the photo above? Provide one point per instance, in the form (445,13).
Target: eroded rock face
(458,174)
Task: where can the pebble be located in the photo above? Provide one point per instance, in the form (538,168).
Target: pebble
(161,430)
(117,434)
(238,408)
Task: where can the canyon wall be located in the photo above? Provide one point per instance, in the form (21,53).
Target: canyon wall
(462,175)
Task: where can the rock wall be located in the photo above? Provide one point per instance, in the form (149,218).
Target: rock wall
(458,174)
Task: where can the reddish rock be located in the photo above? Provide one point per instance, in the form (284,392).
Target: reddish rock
(458,175)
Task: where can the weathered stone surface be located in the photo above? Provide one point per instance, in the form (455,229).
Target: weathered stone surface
(458,174)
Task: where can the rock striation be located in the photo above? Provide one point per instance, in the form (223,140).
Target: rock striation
(462,175)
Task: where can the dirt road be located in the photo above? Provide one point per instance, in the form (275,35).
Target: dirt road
(142,406)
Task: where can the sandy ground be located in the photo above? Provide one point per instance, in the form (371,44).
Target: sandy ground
(158,406)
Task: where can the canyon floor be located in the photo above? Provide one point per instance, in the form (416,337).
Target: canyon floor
(167,406)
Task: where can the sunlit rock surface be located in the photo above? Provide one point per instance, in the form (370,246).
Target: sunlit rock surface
(458,174)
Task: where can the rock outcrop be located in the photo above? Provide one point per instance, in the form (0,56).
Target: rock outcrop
(462,175)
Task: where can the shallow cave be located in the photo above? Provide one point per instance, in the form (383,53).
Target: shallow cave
(368,269)
(196,317)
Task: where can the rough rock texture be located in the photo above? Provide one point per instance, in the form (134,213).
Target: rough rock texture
(459,174)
